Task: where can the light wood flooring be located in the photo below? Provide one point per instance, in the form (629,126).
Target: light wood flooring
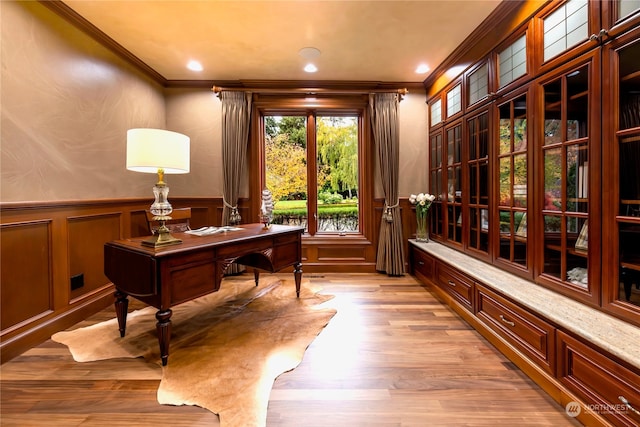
(392,356)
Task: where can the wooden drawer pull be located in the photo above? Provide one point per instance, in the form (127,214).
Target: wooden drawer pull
(626,402)
(452,284)
(420,262)
(507,321)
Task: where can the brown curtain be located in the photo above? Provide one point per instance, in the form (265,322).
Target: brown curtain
(236,112)
(384,122)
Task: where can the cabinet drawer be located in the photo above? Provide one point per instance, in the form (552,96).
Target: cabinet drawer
(530,334)
(599,381)
(457,285)
(422,264)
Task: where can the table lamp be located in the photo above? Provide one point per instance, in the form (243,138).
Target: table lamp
(162,152)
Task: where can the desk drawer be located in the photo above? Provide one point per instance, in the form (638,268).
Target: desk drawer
(599,381)
(530,334)
(456,284)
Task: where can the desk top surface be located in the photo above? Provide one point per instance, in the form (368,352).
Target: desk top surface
(191,242)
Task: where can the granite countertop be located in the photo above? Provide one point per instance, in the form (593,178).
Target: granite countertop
(607,332)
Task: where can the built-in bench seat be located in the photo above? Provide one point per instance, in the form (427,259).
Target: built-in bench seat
(578,352)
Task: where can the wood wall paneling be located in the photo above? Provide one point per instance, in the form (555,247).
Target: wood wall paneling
(45,244)
(87,236)
(25,272)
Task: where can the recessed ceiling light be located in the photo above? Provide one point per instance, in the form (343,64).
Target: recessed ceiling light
(422,68)
(309,53)
(310,68)
(194,65)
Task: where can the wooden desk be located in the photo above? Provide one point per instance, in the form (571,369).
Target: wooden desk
(165,277)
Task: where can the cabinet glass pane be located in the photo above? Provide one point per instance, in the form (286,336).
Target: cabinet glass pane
(454,184)
(577,243)
(505,181)
(577,103)
(512,61)
(629,78)
(553,179)
(552,245)
(520,180)
(628,219)
(454,101)
(505,129)
(627,7)
(577,178)
(553,113)
(436,112)
(629,286)
(436,151)
(478,84)
(565,27)
(454,145)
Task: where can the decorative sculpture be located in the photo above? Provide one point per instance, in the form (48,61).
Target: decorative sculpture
(266,209)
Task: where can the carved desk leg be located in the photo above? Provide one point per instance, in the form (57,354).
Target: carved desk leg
(121,305)
(297,272)
(164,333)
(256,275)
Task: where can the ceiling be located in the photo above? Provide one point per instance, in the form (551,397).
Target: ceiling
(358,40)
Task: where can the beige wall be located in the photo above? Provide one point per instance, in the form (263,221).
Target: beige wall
(414,168)
(67,103)
(197,113)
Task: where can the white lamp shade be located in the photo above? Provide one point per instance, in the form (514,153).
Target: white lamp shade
(151,149)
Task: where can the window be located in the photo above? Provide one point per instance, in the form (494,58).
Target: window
(312,170)
(512,61)
(565,27)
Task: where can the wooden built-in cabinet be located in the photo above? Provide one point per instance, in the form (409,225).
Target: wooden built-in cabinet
(538,175)
(535,153)
(606,386)
(621,177)
(524,330)
(456,284)
(568,366)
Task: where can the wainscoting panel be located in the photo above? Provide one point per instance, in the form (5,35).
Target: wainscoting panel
(25,272)
(50,247)
(342,253)
(87,236)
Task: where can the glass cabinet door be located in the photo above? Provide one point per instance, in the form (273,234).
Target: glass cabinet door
(478,171)
(453,199)
(622,176)
(436,183)
(565,161)
(512,186)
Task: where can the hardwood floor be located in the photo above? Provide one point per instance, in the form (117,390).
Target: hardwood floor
(392,356)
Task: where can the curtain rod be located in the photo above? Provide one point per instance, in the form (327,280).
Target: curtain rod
(218,89)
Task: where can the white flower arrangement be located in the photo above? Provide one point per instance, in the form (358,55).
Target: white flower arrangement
(422,201)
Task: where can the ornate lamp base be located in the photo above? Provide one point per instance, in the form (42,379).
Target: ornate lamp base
(162,238)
